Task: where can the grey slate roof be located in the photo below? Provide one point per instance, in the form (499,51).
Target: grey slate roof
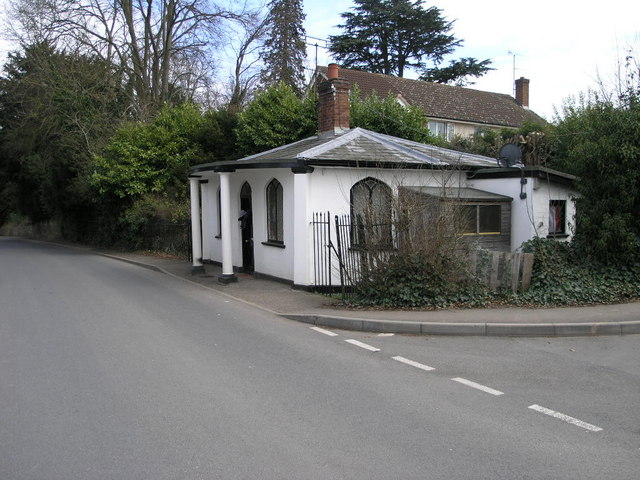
(443,102)
(357,147)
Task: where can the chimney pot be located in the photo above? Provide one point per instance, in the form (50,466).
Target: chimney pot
(334,71)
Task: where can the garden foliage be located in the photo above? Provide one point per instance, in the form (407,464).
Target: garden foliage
(600,144)
(274,118)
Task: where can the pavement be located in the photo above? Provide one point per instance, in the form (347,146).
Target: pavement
(320,310)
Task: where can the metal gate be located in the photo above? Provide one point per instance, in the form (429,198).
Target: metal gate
(322,252)
(336,264)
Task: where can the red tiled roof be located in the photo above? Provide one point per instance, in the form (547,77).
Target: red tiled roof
(443,101)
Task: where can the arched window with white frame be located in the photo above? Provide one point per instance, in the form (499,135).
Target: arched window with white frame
(275,232)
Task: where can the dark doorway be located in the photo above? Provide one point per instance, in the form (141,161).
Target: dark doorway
(246,227)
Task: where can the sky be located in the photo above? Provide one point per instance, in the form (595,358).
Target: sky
(560,45)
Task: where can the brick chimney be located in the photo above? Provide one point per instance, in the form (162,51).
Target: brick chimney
(333,104)
(522,91)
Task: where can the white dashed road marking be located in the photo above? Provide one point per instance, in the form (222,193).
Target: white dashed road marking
(565,418)
(464,381)
(477,386)
(362,345)
(323,331)
(414,364)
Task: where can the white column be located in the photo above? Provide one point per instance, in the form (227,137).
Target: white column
(206,216)
(302,258)
(225,219)
(196,231)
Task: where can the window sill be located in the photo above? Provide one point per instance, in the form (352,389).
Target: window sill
(271,243)
(558,235)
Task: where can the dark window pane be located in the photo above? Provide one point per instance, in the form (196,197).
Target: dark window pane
(469,219)
(371,214)
(489,218)
(279,232)
(274,212)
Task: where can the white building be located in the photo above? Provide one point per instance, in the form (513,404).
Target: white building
(263,213)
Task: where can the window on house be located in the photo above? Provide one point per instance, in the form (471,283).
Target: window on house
(481,219)
(557,217)
(371,214)
(441,129)
(274,212)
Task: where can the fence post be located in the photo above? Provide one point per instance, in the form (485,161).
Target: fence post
(527,271)
(473,263)
(495,267)
(516,258)
(339,253)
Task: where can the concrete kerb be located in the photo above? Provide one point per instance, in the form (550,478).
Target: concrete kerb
(135,262)
(184,279)
(423,328)
(430,328)
(470,329)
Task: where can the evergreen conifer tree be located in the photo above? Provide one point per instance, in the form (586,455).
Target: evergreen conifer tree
(392,36)
(284,49)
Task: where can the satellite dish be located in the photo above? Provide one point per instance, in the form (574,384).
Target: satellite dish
(509,155)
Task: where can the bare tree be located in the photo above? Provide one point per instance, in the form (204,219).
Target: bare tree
(246,74)
(160,45)
(623,82)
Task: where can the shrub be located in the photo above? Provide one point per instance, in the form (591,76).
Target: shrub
(561,276)
(410,281)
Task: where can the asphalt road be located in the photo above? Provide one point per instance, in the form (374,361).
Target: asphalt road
(112,371)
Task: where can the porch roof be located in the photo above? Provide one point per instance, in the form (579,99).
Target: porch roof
(463,194)
(541,172)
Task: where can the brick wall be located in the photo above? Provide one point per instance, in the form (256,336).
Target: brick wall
(333,106)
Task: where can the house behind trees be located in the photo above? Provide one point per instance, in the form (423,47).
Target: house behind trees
(451,110)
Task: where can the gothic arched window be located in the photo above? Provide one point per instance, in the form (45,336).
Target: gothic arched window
(274,212)
(371,214)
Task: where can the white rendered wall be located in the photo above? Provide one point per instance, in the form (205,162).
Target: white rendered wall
(329,191)
(529,216)
(208,218)
(522,218)
(268,259)
(212,246)
(330,187)
(545,191)
(303,270)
